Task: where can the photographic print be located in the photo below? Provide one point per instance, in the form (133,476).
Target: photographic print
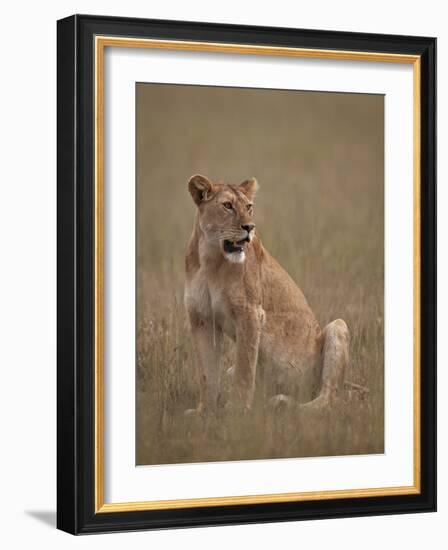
(260,273)
(246,274)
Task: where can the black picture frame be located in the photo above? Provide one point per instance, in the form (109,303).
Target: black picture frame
(76,272)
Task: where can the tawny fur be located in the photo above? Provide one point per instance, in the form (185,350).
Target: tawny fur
(249,297)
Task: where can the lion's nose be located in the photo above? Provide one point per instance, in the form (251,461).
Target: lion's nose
(248,227)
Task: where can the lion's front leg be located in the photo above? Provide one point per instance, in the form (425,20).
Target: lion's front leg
(207,344)
(247,343)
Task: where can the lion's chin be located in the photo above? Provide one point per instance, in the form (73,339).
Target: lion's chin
(235,257)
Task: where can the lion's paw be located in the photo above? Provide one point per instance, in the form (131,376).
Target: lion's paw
(193,413)
(280,402)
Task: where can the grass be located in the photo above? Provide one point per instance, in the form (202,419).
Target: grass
(320,211)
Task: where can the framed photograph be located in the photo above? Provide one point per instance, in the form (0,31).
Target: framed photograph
(246,274)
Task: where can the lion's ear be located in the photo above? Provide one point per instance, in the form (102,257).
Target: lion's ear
(200,188)
(249,187)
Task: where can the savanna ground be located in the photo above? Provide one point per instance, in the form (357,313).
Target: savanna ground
(319,161)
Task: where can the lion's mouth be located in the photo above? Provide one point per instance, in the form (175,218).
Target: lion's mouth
(235,247)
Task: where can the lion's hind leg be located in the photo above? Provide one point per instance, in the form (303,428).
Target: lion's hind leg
(335,353)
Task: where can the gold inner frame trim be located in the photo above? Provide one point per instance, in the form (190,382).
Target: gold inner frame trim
(101,42)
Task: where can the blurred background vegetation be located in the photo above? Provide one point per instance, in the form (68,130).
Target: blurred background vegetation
(319,160)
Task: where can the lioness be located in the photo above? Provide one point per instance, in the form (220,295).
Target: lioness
(234,286)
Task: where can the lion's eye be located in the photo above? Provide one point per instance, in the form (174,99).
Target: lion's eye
(227,205)
(249,206)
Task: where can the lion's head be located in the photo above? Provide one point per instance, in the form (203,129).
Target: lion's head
(225,214)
